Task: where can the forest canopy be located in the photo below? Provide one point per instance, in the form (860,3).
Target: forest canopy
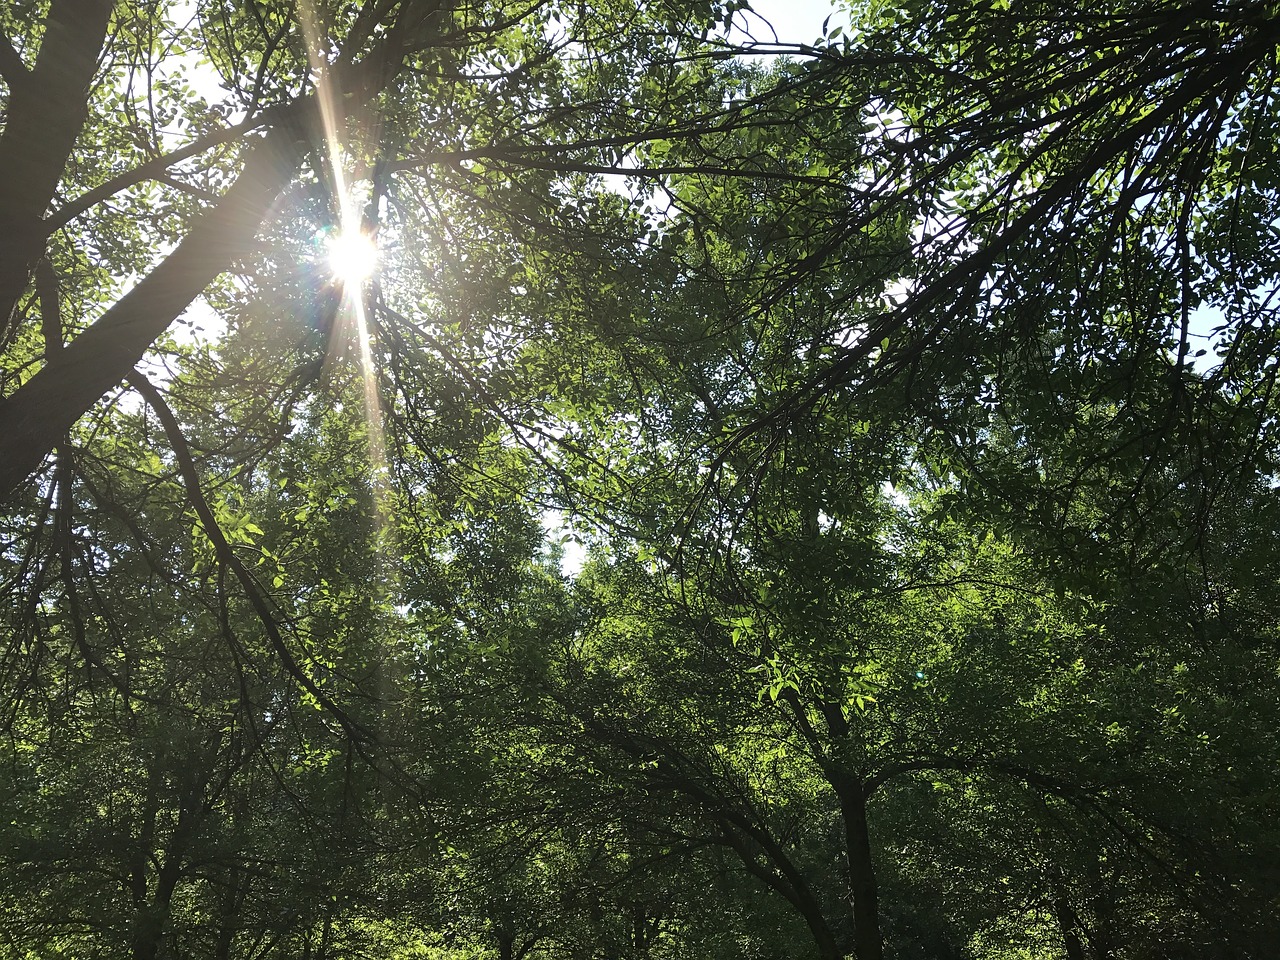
(532,481)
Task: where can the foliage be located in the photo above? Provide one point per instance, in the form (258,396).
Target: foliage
(823,507)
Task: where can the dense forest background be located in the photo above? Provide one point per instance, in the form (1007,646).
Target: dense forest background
(765,500)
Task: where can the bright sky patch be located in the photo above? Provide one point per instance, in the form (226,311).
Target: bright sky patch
(353,256)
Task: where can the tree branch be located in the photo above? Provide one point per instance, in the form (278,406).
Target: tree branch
(151,170)
(226,555)
(12,70)
(41,411)
(45,114)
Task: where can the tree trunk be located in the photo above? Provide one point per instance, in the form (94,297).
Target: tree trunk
(229,914)
(150,923)
(782,876)
(863,890)
(44,408)
(47,109)
(140,860)
(1067,924)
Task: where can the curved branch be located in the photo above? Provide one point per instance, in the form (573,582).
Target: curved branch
(226,555)
(155,169)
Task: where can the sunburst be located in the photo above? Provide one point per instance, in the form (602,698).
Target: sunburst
(353,256)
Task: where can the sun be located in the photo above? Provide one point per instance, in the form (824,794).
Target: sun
(353,256)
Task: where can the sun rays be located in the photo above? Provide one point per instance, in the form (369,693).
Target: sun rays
(352,258)
(352,255)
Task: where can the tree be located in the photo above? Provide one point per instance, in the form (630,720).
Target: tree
(1085,186)
(792,556)
(922,557)
(303,90)
(46,404)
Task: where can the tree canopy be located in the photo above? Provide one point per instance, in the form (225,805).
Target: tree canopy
(533,480)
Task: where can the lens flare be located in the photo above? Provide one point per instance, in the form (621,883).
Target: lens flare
(353,256)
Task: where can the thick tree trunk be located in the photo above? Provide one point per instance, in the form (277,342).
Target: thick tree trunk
(229,914)
(506,944)
(47,109)
(44,408)
(151,922)
(140,862)
(864,892)
(1067,924)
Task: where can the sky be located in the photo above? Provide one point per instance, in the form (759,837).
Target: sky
(794,21)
